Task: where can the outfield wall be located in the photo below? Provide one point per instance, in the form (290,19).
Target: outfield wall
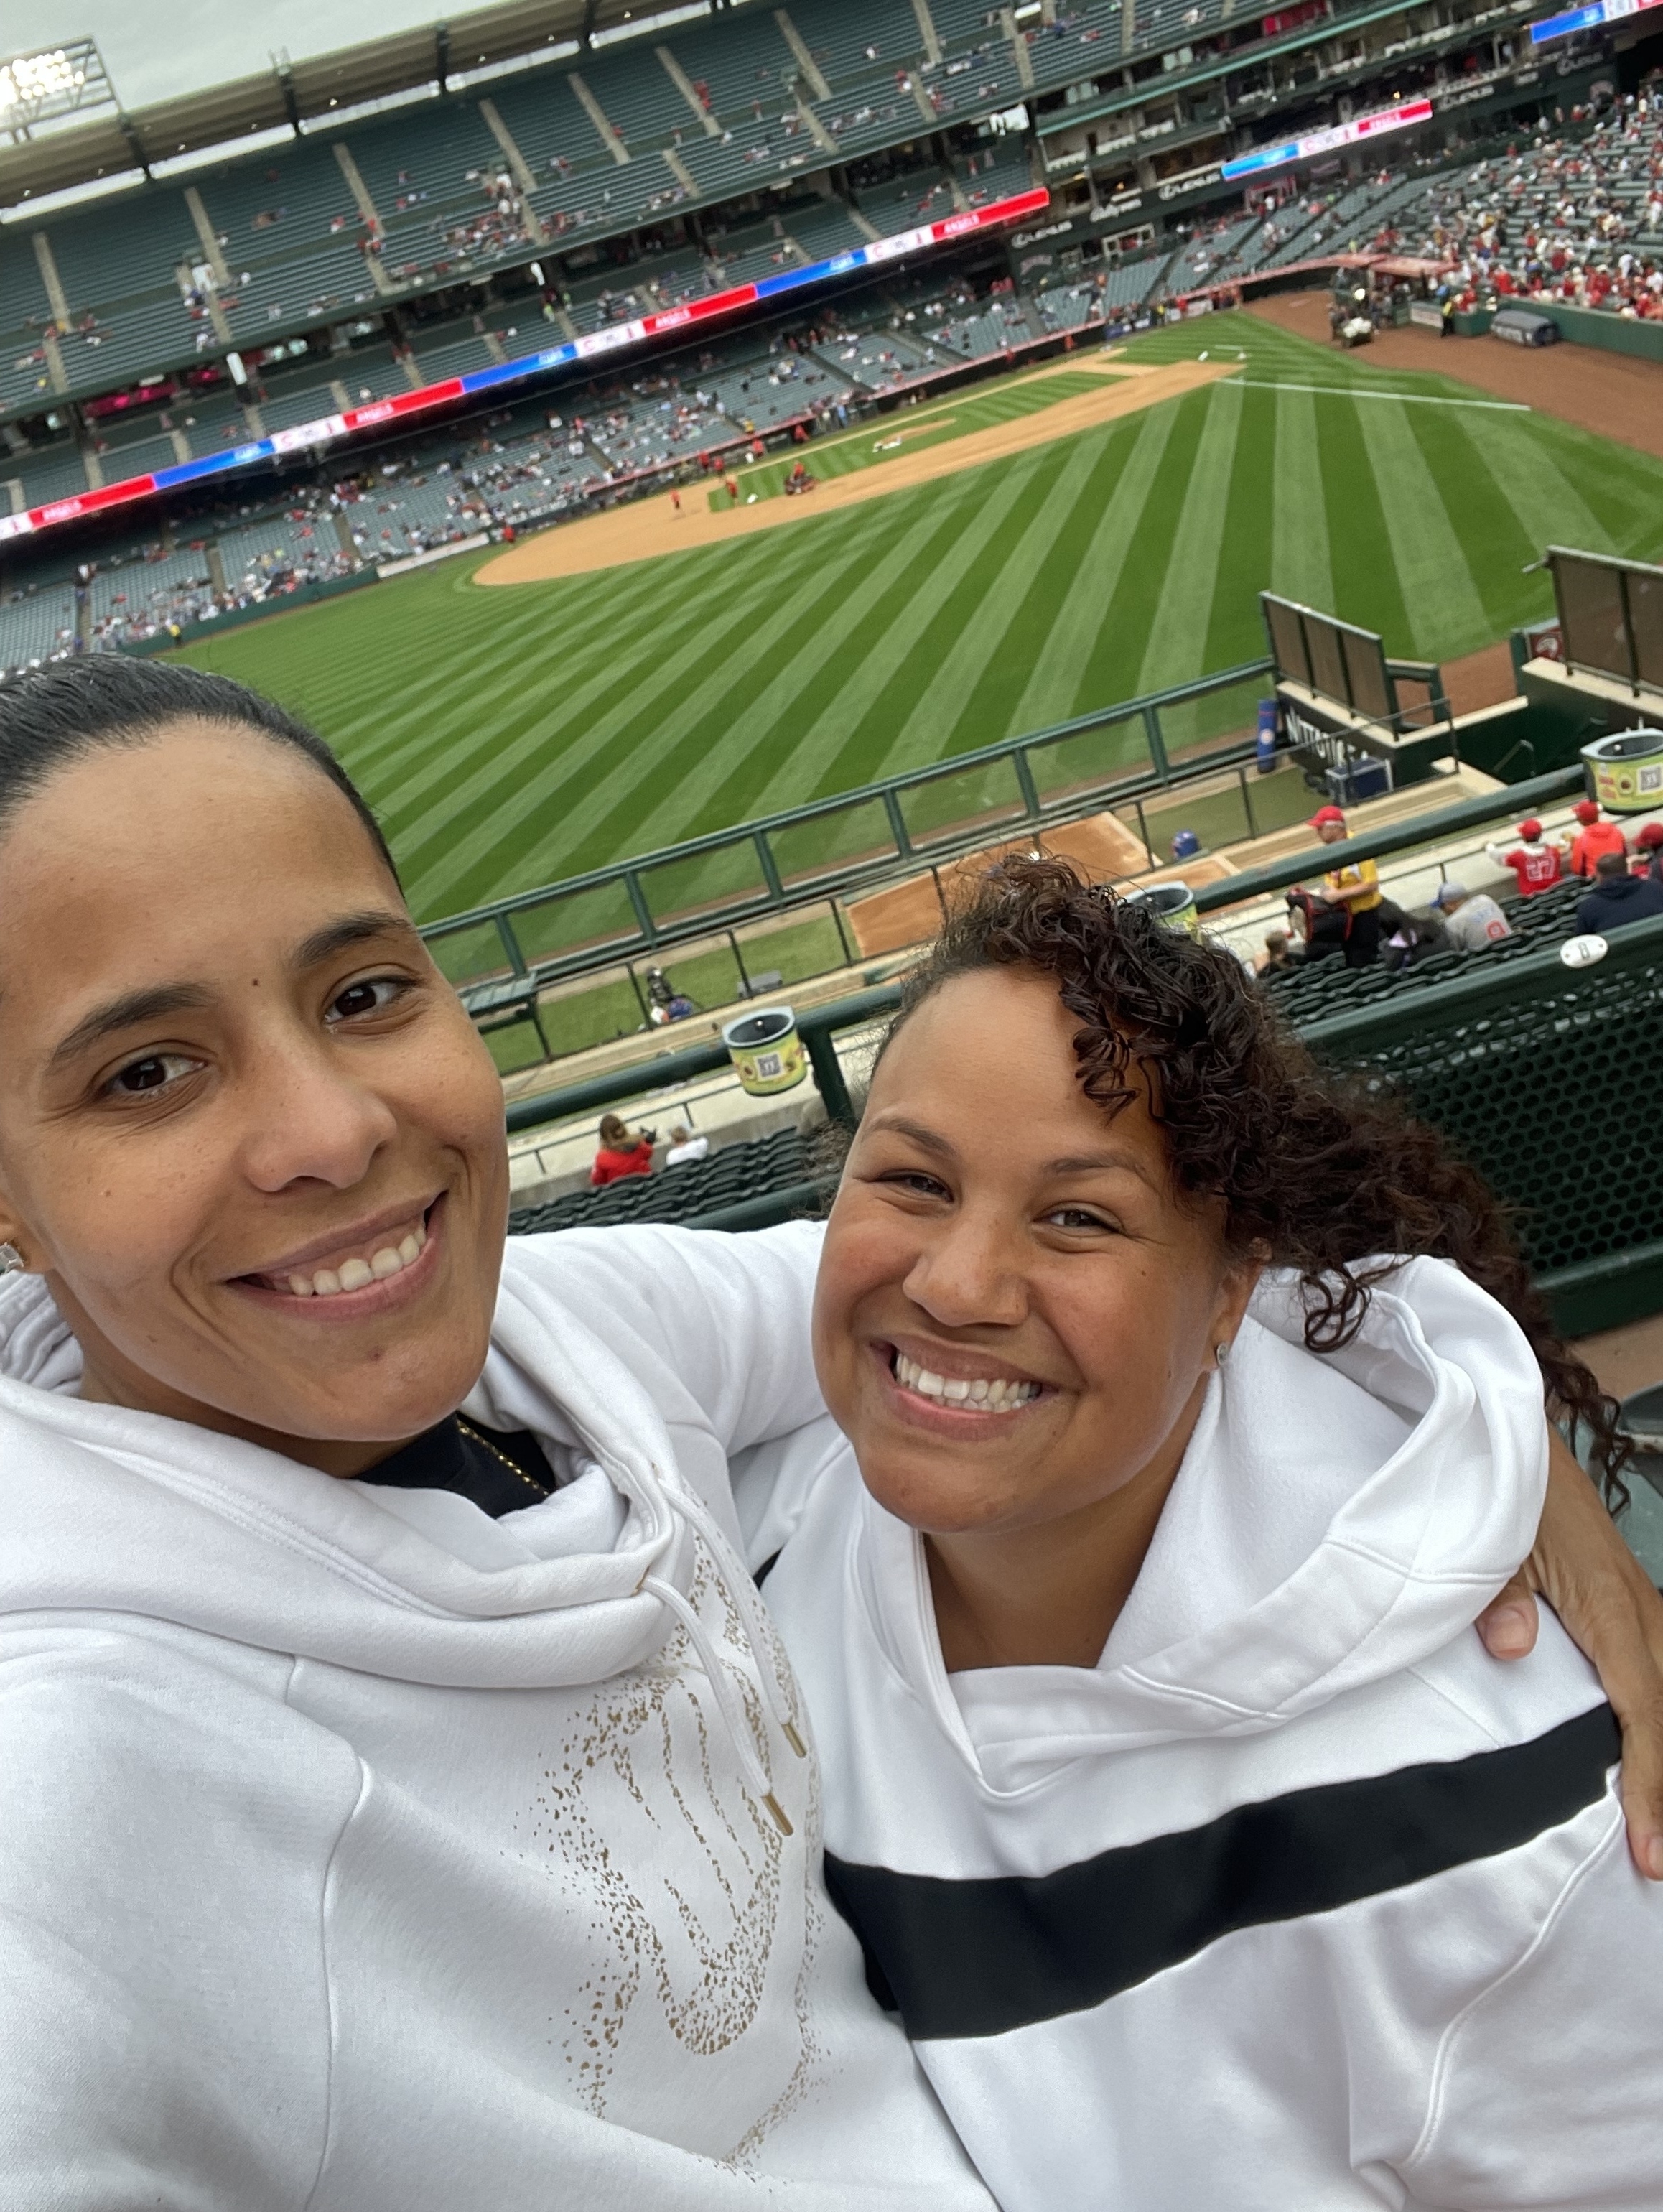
(1589,327)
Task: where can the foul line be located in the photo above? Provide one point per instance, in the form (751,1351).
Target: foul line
(1363,391)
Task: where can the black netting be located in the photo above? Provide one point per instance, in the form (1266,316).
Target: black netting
(1554,1098)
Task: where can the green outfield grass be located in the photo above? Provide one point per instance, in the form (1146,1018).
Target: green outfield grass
(509,737)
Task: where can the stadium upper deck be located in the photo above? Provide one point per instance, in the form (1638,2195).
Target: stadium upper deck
(550,163)
(513,218)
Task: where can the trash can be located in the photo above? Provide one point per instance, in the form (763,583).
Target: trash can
(767,1051)
(1174,904)
(1625,773)
(1264,745)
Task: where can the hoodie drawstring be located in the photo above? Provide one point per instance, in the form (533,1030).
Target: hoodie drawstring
(747,1604)
(716,1673)
(742,1592)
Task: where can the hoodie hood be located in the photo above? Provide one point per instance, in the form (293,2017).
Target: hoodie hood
(1337,1518)
(110,1510)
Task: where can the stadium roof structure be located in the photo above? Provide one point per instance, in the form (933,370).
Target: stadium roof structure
(292,93)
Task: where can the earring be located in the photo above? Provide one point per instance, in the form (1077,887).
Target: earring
(12,1262)
(1220,1354)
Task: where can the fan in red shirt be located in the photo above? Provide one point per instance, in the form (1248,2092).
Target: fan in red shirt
(622,1151)
(1537,863)
(1648,851)
(1593,838)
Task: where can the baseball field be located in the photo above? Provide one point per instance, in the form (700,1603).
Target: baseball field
(1001,568)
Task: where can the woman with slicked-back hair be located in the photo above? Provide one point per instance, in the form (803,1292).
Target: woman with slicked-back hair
(408,1802)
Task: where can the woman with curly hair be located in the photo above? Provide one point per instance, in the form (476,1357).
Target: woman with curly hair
(1205,1856)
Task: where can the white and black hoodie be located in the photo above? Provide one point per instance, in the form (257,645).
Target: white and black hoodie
(360,1853)
(1297,1901)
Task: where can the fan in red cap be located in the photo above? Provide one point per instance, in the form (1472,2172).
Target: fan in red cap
(1536,862)
(1593,838)
(1648,851)
(1356,887)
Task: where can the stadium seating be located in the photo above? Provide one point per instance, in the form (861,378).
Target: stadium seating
(1579,221)
(1308,992)
(687,1193)
(35,625)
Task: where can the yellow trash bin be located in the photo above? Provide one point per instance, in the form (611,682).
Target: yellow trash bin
(767,1051)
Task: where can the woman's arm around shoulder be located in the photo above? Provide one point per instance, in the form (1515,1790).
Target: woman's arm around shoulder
(1609,1608)
(727,1315)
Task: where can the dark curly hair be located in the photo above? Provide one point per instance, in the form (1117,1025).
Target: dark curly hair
(1317,1172)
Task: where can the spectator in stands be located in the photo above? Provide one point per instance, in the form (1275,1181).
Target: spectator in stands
(1410,936)
(1616,897)
(1472,919)
(1356,887)
(685,1148)
(623,1151)
(1648,851)
(1594,837)
(1278,955)
(1537,861)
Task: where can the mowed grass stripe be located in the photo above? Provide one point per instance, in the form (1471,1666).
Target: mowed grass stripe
(862,724)
(1234,631)
(919,625)
(700,773)
(958,687)
(1548,505)
(1056,678)
(997,704)
(517,820)
(577,622)
(883,747)
(1497,548)
(1365,588)
(1446,613)
(1129,617)
(1183,613)
(545,737)
(1301,567)
(775,754)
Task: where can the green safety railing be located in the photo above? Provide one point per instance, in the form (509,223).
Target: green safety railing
(819,1025)
(1548,1079)
(498,955)
(1516,799)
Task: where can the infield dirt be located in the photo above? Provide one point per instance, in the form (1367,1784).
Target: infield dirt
(645,529)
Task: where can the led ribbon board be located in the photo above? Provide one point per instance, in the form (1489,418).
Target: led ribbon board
(1343,134)
(1587,19)
(618,335)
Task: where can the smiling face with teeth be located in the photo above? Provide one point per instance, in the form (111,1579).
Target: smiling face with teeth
(246,1130)
(1016,1312)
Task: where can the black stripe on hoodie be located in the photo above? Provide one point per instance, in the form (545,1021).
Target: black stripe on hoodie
(983,1956)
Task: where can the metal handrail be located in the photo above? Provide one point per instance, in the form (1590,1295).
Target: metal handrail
(776,895)
(1417,829)
(818,1025)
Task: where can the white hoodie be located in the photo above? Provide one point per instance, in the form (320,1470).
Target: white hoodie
(359,1853)
(1297,1901)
